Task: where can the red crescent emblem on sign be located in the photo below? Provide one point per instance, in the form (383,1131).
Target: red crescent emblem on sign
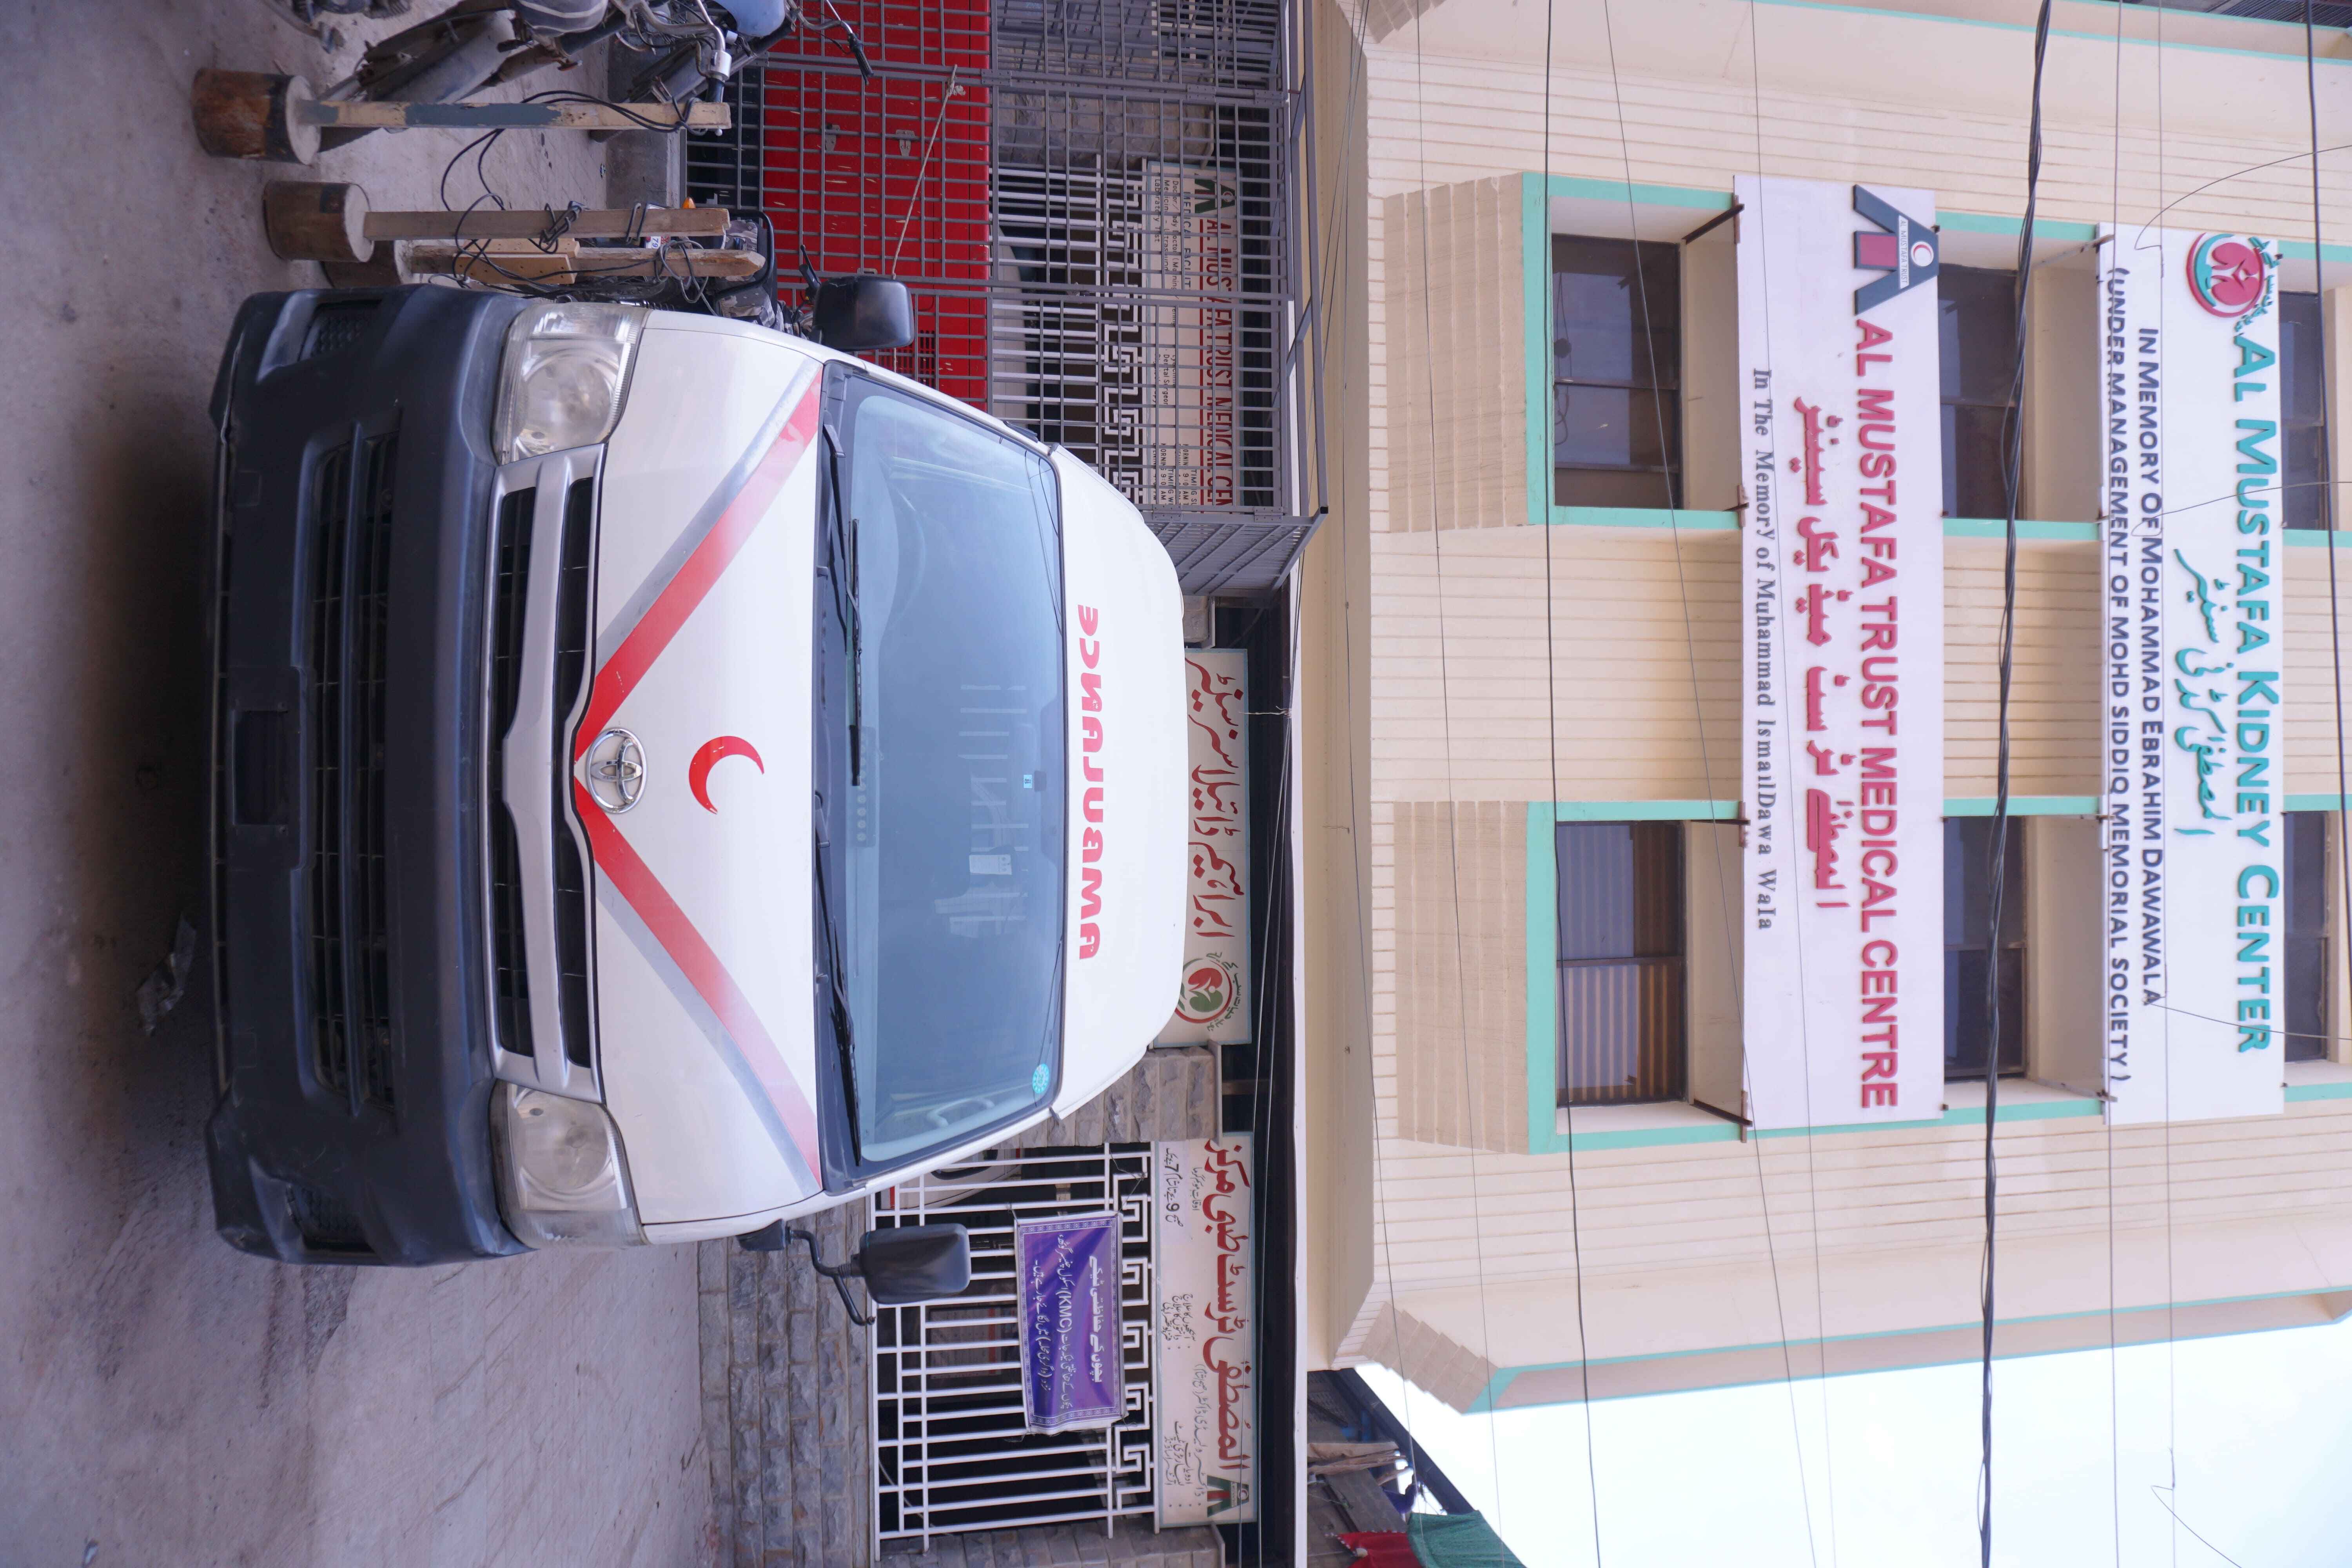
(697,771)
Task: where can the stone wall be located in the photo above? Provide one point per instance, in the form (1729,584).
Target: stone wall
(786,1417)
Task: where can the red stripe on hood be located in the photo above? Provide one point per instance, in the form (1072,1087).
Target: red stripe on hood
(695,576)
(619,862)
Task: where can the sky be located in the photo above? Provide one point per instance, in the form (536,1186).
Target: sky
(2257,1427)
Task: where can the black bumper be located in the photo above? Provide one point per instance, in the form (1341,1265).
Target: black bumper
(349,574)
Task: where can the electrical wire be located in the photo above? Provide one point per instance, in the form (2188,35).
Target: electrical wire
(2013,465)
(2107,1121)
(2171,1292)
(923,172)
(1276,926)
(2312,153)
(473,256)
(1329,284)
(2327,491)
(1437,532)
(1551,756)
(1804,1029)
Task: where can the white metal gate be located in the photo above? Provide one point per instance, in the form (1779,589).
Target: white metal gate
(952,1450)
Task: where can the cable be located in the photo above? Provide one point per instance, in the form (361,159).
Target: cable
(2234,173)
(2327,491)
(1706,772)
(1362,922)
(1804,1029)
(2012,464)
(2171,1335)
(2107,1122)
(471,256)
(1551,756)
(1453,822)
(923,172)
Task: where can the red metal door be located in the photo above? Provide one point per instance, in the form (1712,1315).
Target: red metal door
(890,175)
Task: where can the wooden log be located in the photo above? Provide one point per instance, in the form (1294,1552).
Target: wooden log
(535,265)
(592,223)
(365,116)
(315,220)
(248,114)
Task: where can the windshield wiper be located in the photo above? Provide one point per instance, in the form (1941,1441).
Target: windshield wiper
(837,992)
(841,553)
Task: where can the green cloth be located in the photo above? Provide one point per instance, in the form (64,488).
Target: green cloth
(1457,1541)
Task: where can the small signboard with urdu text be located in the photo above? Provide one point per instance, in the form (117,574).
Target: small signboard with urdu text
(1213,998)
(1206,1443)
(1073,1373)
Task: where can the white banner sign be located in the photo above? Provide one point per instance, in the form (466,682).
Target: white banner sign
(2192,843)
(1206,1441)
(1843,697)
(1213,999)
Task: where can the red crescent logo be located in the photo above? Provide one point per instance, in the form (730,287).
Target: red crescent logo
(697,771)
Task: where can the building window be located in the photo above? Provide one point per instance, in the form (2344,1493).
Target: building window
(1970,951)
(1616,358)
(1977,312)
(2302,411)
(1621,961)
(2304,943)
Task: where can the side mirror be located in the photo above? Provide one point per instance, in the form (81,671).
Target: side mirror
(914,1263)
(859,314)
(900,1267)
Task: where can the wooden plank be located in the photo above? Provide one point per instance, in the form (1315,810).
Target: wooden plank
(508,116)
(544,267)
(1362,1503)
(594,222)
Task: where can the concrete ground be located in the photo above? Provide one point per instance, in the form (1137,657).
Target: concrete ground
(162,1399)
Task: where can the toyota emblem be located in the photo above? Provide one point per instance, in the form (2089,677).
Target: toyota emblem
(616,771)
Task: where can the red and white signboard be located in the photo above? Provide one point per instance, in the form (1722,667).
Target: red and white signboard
(1213,999)
(1842,665)
(1205,1443)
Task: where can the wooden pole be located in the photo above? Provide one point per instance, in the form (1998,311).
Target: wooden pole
(565,268)
(363,116)
(519,223)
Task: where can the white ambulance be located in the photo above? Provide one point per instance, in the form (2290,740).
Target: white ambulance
(669,777)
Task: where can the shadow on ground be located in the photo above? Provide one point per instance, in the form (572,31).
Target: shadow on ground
(162,1399)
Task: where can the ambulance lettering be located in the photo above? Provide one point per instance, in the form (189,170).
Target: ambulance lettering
(1090,843)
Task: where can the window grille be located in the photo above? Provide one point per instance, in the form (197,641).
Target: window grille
(1621,962)
(2303,413)
(1090,202)
(1968,950)
(1976,316)
(1616,403)
(2304,940)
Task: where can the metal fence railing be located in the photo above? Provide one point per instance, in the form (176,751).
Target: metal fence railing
(952,1450)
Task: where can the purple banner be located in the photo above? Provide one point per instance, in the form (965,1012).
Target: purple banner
(1072,1371)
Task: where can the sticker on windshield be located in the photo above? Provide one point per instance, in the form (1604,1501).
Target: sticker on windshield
(1038,1080)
